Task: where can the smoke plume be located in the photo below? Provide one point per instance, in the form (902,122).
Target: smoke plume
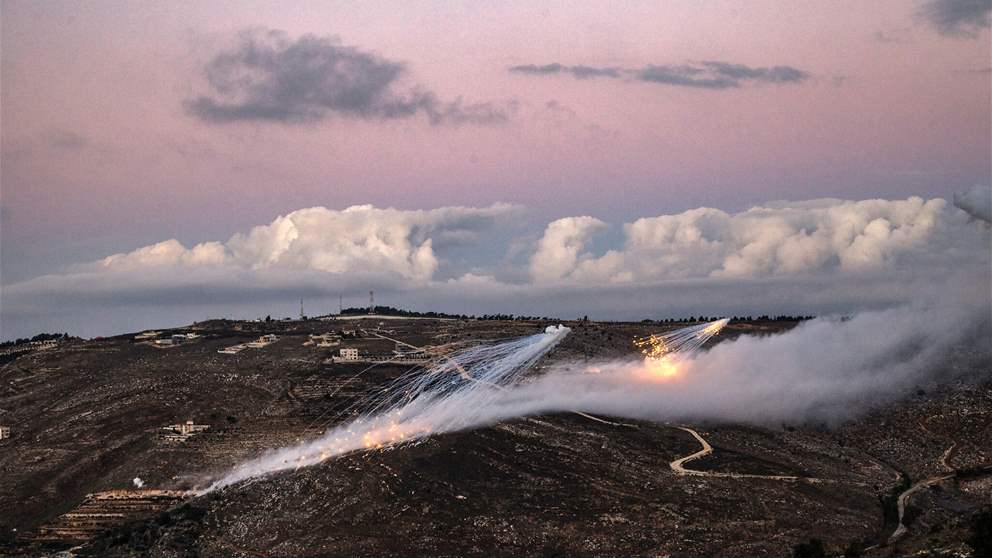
(826,370)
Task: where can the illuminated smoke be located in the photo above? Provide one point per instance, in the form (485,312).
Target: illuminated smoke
(683,341)
(457,393)
(824,370)
(138,483)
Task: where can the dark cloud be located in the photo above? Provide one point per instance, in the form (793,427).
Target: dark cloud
(958,18)
(269,77)
(704,75)
(580,72)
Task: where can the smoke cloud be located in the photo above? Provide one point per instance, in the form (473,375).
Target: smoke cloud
(823,371)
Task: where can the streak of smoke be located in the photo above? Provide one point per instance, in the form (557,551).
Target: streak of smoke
(825,370)
(456,394)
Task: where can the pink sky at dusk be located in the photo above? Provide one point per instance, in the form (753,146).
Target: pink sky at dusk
(101,154)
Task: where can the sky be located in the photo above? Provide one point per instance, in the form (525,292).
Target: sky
(161,163)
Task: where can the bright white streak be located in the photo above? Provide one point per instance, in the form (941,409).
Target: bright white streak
(827,370)
(456,394)
(822,371)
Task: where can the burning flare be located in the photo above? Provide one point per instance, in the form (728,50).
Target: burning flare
(664,354)
(465,389)
(457,393)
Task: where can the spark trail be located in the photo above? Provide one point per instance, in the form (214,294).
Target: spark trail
(665,353)
(825,370)
(455,394)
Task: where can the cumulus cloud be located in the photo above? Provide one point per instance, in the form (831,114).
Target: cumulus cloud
(958,18)
(558,250)
(977,202)
(814,257)
(270,77)
(391,242)
(704,75)
(820,236)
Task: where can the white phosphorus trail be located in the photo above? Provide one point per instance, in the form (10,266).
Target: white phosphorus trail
(455,394)
(823,370)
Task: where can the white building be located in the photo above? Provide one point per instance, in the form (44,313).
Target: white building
(232,350)
(4,432)
(349,354)
(325,340)
(182,431)
(180,338)
(263,341)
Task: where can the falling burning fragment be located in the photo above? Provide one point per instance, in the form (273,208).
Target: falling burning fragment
(466,389)
(662,352)
(456,393)
(684,340)
(822,370)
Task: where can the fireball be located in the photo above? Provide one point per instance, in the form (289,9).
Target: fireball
(662,368)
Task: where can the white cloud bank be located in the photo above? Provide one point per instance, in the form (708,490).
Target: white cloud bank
(822,257)
(392,242)
(775,239)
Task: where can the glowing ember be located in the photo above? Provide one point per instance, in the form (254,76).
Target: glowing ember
(661,367)
(662,351)
(453,394)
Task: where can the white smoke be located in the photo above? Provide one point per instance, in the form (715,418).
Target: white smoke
(824,370)
(138,483)
(453,395)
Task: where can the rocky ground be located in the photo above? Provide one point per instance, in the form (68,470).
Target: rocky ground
(87,417)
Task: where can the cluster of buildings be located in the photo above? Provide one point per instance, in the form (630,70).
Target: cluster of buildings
(380,351)
(183,431)
(324,340)
(173,340)
(30,346)
(259,343)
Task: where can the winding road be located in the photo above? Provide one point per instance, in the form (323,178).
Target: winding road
(679,468)
(907,495)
